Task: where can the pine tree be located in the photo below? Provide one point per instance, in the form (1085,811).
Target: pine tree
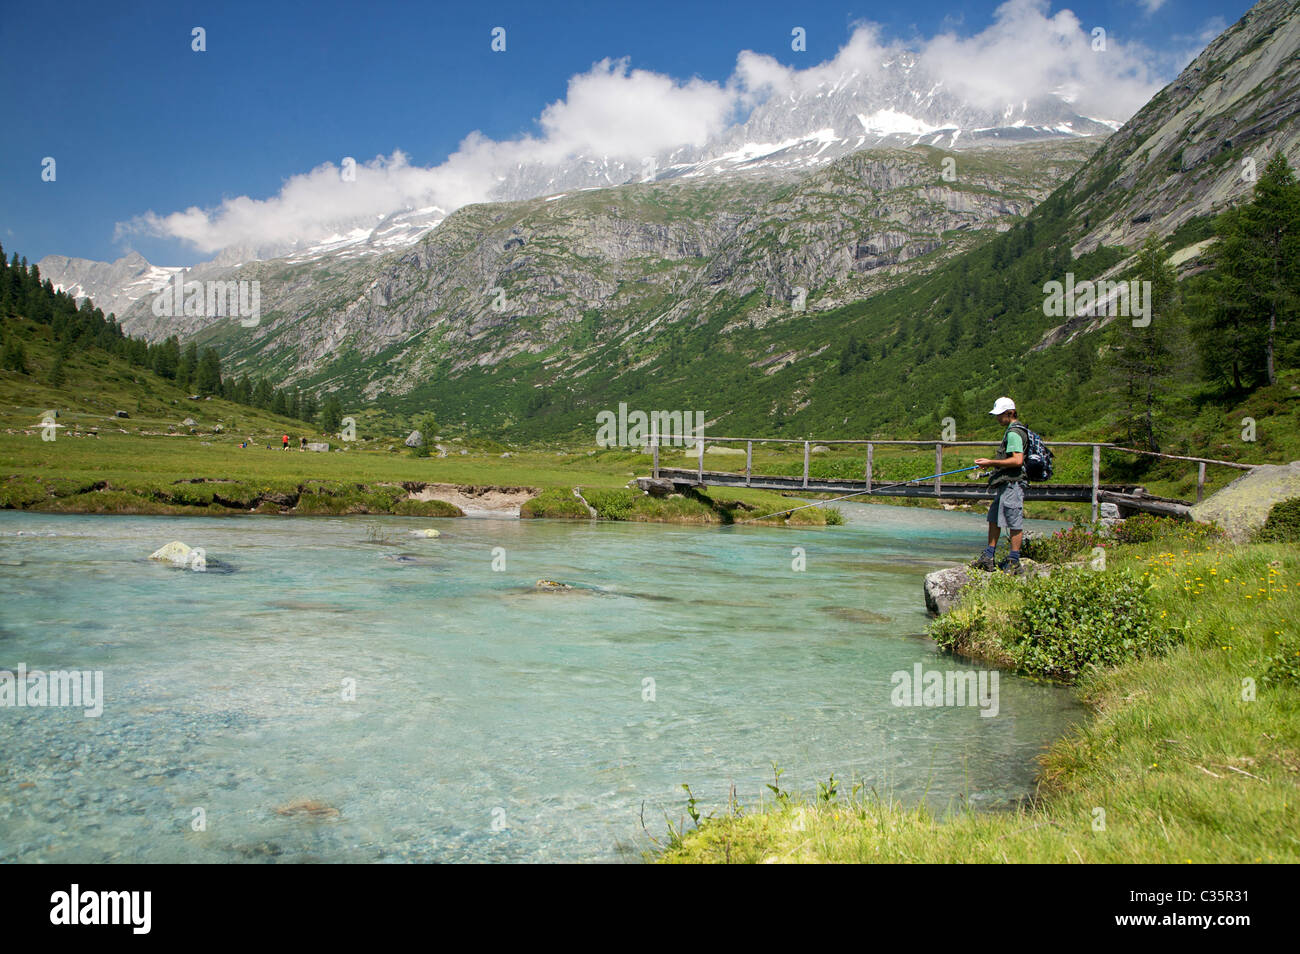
(1142,359)
(188,366)
(331,415)
(1270,227)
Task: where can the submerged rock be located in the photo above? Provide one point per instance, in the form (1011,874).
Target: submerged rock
(552,585)
(309,808)
(430,532)
(1242,507)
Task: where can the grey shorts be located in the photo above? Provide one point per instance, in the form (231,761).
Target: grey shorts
(1008,507)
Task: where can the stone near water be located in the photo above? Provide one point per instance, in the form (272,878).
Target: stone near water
(552,585)
(414,439)
(430,532)
(943,587)
(655,486)
(1242,507)
(175,553)
(318,446)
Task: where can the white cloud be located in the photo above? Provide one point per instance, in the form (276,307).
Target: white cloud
(1151,6)
(623,113)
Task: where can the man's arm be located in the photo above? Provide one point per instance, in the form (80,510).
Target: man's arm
(1014,460)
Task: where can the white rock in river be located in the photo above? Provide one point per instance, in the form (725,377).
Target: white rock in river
(175,553)
(425,533)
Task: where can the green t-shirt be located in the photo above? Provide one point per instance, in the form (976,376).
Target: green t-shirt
(1013,442)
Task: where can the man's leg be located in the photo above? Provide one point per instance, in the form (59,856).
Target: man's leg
(995,532)
(985,560)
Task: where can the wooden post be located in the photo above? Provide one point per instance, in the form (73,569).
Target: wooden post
(938,468)
(805,463)
(1200,482)
(654,446)
(749,460)
(1096,478)
(701,445)
(870,449)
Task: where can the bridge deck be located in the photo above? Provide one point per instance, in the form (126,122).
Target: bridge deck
(955,490)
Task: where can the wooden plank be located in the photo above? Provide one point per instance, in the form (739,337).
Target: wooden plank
(1200,481)
(1146,504)
(749,460)
(654,445)
(938,468)
(701,474)
(870,451)
(805,463)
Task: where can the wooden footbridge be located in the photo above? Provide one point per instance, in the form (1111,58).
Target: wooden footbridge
(1129,498)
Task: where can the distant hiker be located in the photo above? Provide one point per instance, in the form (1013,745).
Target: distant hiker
(285,445)
(302,443)
(1008,483)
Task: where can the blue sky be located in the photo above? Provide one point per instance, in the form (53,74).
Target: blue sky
(138,122)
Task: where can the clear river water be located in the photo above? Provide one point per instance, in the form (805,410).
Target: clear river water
(319,695)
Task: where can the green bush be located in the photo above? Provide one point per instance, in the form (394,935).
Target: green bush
(1283,523)
(1145,527)
(1063,545)
(1076,619)
(555,502)
(613,504)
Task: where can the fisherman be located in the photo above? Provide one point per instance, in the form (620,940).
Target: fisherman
(1008,484)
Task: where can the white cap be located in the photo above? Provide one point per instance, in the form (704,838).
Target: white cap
(1002,405)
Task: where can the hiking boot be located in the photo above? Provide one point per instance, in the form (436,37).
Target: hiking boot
(985,563)
(1010,566)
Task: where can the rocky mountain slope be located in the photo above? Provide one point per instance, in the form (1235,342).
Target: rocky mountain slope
(556,277)
(1197,146)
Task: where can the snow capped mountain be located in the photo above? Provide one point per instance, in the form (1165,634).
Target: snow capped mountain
(113,286)
(790,132)
(795,131)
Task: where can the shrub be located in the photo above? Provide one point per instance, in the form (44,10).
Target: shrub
(1145,527)
(1061,546)
(1076,619)
(1283,523)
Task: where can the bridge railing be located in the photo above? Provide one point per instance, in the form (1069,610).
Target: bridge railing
(808,444)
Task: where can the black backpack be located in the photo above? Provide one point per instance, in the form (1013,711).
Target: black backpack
(1038,456)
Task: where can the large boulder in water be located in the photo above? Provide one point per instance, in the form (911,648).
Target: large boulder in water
(175,553)
(943,587)
(1242,507)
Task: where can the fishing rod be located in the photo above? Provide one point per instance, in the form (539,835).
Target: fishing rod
(874,490)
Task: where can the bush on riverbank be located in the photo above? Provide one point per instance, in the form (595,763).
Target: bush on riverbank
(1057,625)
(1189,756)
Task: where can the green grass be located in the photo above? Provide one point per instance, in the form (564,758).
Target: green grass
(1179,759)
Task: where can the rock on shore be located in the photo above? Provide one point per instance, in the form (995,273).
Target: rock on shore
(1242,507)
